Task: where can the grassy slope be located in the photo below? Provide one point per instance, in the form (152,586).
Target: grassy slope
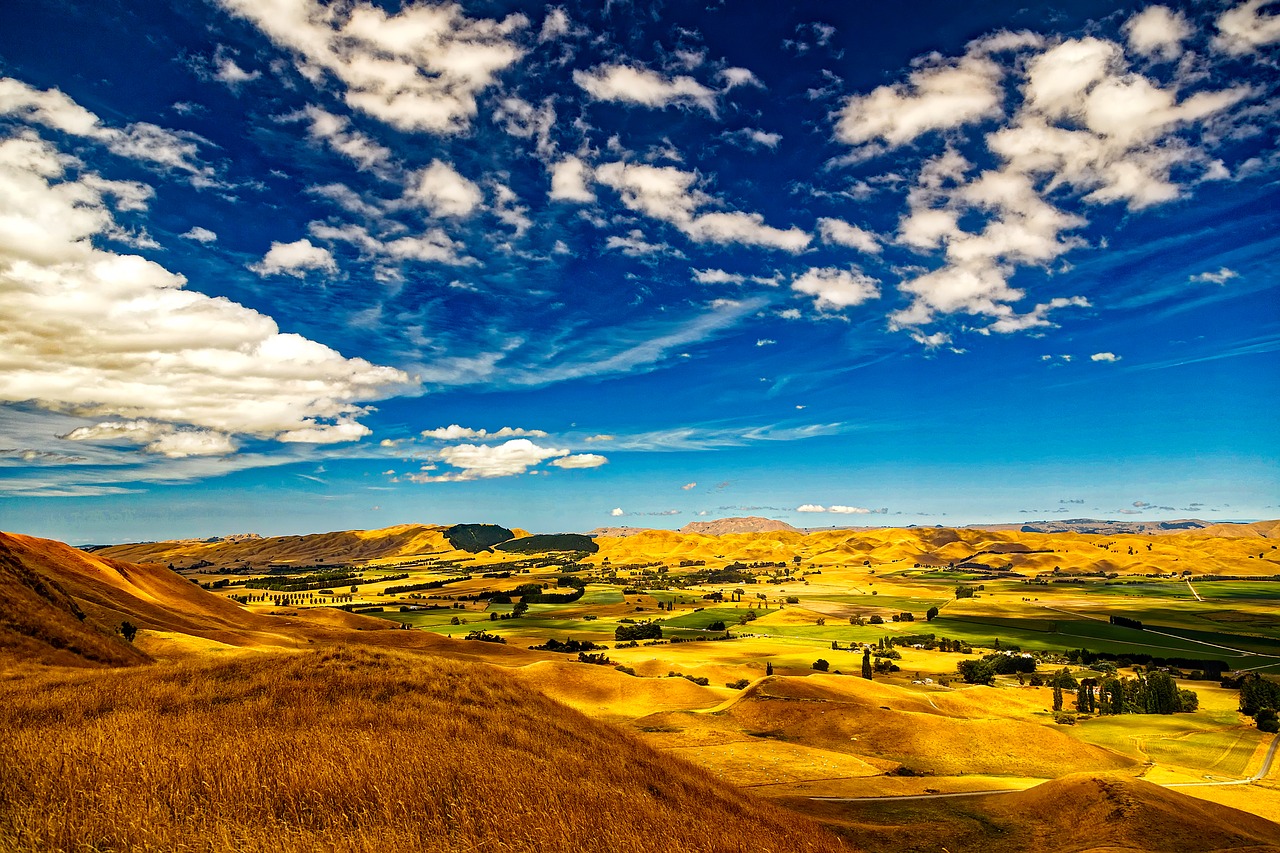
(347,749)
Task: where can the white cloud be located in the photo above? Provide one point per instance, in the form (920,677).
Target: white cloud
(231,74)
(668,194)
(555,25)
(443,191)
(713,276)
(569,181)
(634,245)
(941,95)
(849,510)
(200,235)
(1222,276)
(635,84)
(487,461)
(617,512)
(141,141)
(836,288)
(600,437)
(1104,356)
(295,259)
(581,460)
(841,233)
(432,245)
(751,137)
(1087,126)
(115,336)
(811,508)
(335,131)
(1010,321)
(1242,30)
(419,69)
(157,438)
(765,342)
(183,443)
(454,432)
(1158,31)
(688,486)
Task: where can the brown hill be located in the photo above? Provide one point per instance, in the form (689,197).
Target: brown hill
(1082,813)
(952,735)
(749,524)
(338,548)
(41,622)
(45,585)
(350,750)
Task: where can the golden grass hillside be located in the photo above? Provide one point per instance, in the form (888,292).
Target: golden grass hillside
(1247,551)
(339,547)
(44,583)
(888,723)
(1083,813)
(347,750)
(41,622)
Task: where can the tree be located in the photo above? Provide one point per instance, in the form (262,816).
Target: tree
(979,671)
(930,614)
(128,630)
(1057,698)
(1162,694)
(1267,720)
(821,665)
(768,667)
(866,664)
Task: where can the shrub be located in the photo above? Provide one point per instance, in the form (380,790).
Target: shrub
(791,599)
(740,684)
(821,665)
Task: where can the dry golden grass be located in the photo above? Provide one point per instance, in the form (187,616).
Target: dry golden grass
(346,750)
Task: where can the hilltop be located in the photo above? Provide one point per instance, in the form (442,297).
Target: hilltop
(749,524)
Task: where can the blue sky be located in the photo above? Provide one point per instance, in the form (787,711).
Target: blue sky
(287,267)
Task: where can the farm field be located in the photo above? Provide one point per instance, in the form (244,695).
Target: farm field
(752,668)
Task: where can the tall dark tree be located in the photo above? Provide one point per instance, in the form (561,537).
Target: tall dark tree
(1057,697)
(931,613)
(866,664)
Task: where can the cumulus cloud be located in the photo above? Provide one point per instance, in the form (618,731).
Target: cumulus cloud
(114,336)
(839,509)
(581,460)
(713,276)
(1243,29)
(1084,125)
(687,486)
(336,132)
(751,137)
(418,69)
(670,195)
(440,189)
(841,233)
(161,439)
(634,84)
(617,512)
(454,432)
(487,461)
(296,259)
(141,141)
(1157,31)
(937,96)
(569,181)
(836,289)
(1104,356)
(200,235)
(1222,276)
(432,245)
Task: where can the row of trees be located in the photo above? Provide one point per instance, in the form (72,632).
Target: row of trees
(1150,693)
(1260,699)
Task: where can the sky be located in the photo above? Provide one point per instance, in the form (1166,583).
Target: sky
(293,266)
